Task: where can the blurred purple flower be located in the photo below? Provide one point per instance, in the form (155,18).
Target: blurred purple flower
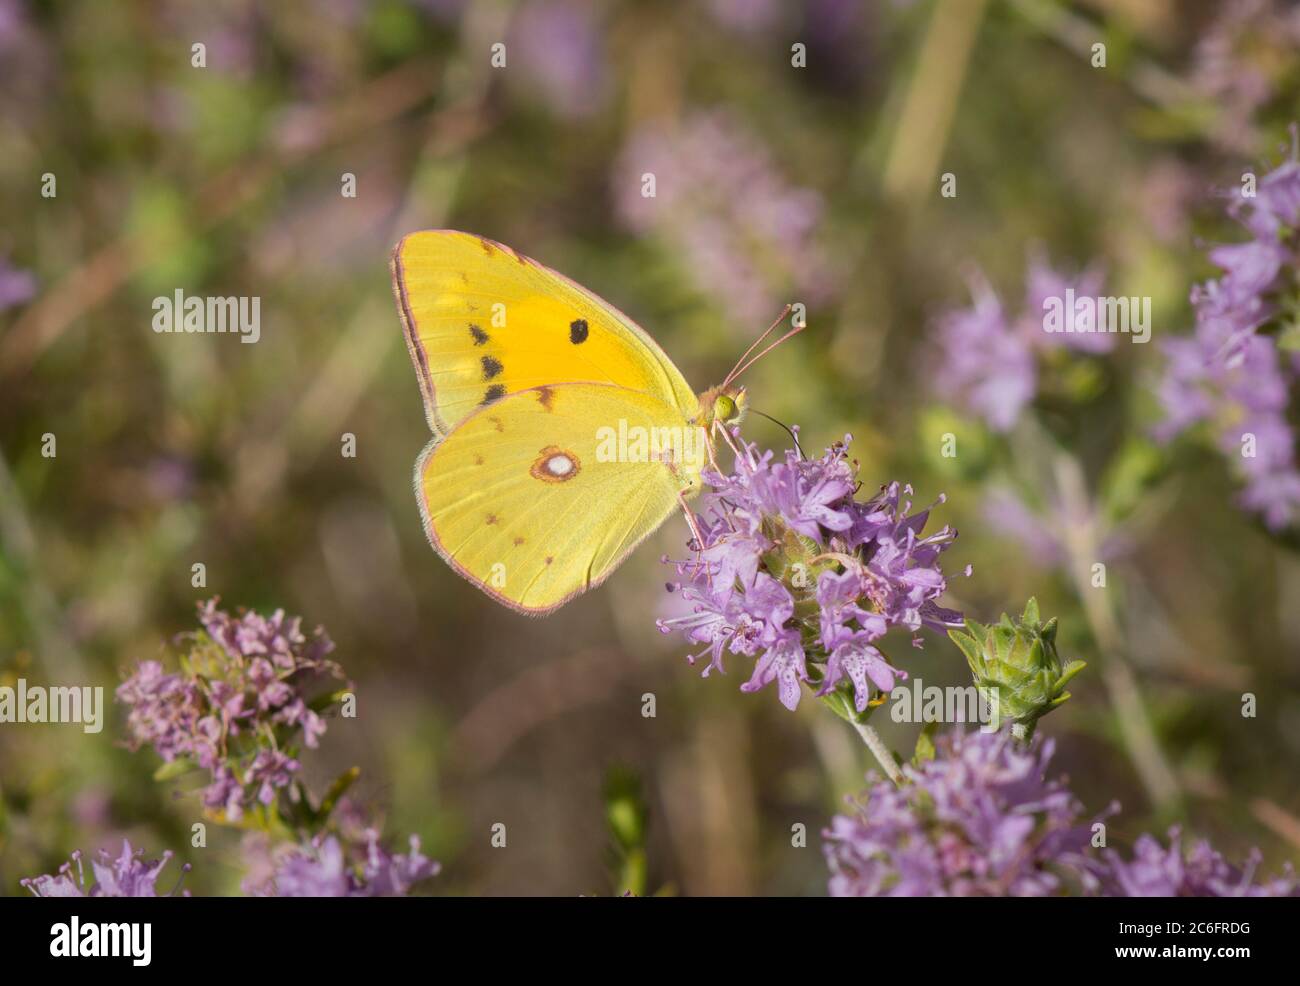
(232,37)
(129,875)
(11,20)
(245,679)
(1009,515)
(798,574)
(1242,61)
(1155,871)
(1165,198)
(1043,534)
(979,819)
(982,819)
(988,358)
(745,235)
(331,866)
(1227,374)
(561,55)
(746,16)
(1043,282)
(17,287)
(985,366)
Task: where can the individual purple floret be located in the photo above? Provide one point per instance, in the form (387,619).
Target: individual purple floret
(129,875)
(798,574)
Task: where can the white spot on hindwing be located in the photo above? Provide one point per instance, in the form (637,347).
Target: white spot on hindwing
(555,465)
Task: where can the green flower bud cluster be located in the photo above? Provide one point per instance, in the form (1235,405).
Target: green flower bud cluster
(1016,667)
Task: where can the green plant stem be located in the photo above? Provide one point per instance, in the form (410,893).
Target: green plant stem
(884,756)
(1117,674)
(930,103)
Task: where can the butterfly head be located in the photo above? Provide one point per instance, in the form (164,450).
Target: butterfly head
(724,405)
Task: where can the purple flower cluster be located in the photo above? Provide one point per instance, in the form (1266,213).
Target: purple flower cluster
(237,707)
(1229,375)
(348,861)
(1155,871)
(561,56)
(987,357)
(979,819)
(129,875)
(798,574)
(982,819)
(743,232)
(249,690)
(1242,62)
(322,868)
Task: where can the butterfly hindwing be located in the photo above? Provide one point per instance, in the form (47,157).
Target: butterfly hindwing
(483,322)
(530,499)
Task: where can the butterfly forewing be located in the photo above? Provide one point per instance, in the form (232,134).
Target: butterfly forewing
(483,322)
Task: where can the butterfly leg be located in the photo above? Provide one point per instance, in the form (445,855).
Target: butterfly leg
(713,457)
(691,521)
(697,536)
(721,429)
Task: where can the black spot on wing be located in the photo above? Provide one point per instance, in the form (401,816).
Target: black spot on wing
(478,334)
(491,367)
(578,331)
(494,393)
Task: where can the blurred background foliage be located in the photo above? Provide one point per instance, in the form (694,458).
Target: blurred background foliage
(775,183)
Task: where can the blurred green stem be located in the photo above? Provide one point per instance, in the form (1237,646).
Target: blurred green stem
(930,104)
(56,651)
(1083,550)
(1149,80)
(631,877)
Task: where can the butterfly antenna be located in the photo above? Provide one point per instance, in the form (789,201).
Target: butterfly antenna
(789,335)
(789,431)
(736,370)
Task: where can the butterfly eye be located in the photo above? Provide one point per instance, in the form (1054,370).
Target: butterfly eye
(724,408)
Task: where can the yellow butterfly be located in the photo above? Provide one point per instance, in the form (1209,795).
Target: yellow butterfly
(563,435)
